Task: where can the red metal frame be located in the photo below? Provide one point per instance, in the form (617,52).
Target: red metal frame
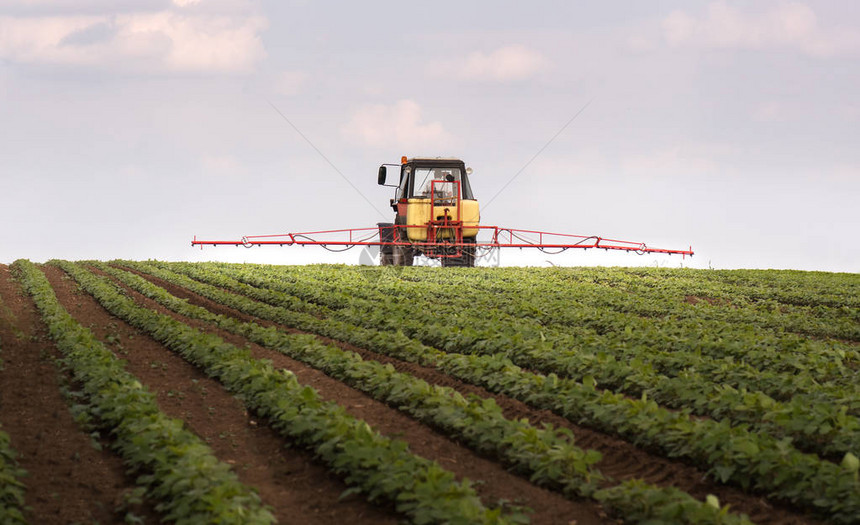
(499,238)
(435,225)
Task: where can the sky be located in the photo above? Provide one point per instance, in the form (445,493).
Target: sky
(127,127)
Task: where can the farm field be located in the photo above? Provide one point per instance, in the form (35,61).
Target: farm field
(146,391)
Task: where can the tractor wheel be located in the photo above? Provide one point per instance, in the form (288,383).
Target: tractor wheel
(466,259)
(403,256)
(386,235)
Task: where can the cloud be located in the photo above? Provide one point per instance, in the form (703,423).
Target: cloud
(506,64)
(34,7)
(100,32)
(168,40)
(786,26)
(396,126)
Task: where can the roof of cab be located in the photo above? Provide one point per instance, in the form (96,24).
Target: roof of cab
(433,159)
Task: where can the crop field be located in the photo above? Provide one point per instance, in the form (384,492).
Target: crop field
(142,392)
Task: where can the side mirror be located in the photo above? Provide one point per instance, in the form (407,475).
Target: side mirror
(468,171)
(383,171)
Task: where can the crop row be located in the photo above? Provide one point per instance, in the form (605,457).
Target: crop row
(736,353)
(11,488)
(731,453)
(618,292)
(818,423)
(803,369)
(542,455)
(788,287)
(690,293)
(173,464)
(382,468)
(589,326)
(822,427)
(604,315)
(547,455)
(816,314)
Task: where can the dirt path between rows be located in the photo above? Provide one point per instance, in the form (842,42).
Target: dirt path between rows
(68,480)
(621,459)
(289,480)
(495,483)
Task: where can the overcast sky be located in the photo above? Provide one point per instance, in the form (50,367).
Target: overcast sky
(127,127)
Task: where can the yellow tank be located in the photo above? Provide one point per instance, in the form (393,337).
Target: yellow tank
(419,212)
(471,215)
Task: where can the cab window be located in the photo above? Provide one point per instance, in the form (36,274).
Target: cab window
(403,189)
(424,178)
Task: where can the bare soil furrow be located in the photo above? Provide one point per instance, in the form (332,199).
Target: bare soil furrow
(68,480)
(289,480)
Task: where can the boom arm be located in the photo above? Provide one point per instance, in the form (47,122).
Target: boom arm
(498,238)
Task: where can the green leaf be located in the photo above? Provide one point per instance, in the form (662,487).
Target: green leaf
(851,462)
(589,381)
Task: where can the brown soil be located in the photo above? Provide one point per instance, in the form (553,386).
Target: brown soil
(621,459)
(68,480)
(494,482)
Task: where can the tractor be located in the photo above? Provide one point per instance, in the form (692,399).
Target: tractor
(436,213)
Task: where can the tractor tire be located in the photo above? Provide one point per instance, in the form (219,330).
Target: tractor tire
(386,252)
(403,256)
(466,259)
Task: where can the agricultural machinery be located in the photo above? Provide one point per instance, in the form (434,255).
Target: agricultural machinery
(437,216)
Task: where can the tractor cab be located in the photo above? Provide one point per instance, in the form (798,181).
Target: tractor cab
(435,211)
(419,177)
